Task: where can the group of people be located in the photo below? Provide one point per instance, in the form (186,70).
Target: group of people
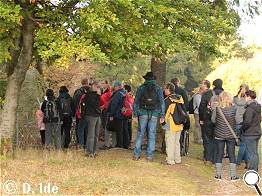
(222,119)
(219,119)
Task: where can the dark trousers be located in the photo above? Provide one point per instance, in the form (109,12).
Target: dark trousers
(93,133)
(126,137)
(207,131)
(220,149)
(122,135)
(129,128)
(252,149)
(42,134)
(65,131)
(82,129)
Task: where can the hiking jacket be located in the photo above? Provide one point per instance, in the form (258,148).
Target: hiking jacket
(170,110)
(116,104)
(140,112)
(204,114)
(251,125)
(65,95)
(222,131)
(92,104)
(105,99)
(240,104)
(77,95)
(183,93)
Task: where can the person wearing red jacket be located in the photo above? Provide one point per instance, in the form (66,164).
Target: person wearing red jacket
(104,102)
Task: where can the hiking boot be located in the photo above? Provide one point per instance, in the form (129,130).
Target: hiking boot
(136,158)
(235,178)
(149,159)
(166,163)
(218,178)
(104,148)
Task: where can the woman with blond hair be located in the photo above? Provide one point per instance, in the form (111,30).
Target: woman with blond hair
(225,111)
(240,104)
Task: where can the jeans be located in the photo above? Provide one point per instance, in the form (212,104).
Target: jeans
(65,131)
(82,131)
(242,152)
(149,124)
(220,149)
(207,132)
(53,130)
(252,149)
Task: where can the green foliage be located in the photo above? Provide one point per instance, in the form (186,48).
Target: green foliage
(129,72)
(9,23)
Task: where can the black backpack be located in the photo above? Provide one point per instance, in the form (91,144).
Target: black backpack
(179,115)
(65,104)
(51,112)
(149,99)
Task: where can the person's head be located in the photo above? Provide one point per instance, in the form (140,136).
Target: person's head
(205,85)
(169,89)
(49,93)
(95,86)
(149,76)
(175,81)
(225,100)
(128,88)
(63,89)
(242,90)
(250,95)
(117,85)
(218,83)
(105,84)
(85,82)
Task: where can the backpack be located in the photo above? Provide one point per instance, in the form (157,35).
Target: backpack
(80,110)
(66,106)
(51,113)
(191,108)
(213,103)
(127,109)
(178,114)
(149,99)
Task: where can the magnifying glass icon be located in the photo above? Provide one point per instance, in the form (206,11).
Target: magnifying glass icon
(251,179)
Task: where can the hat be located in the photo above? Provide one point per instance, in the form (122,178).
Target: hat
(117,84)
(218,83)
(149,76)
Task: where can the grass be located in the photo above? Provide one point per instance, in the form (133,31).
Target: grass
(114,172)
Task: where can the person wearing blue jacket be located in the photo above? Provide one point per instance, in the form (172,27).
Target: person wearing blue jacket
(148,107)
(115,115)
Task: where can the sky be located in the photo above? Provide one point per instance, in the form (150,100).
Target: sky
(252,31)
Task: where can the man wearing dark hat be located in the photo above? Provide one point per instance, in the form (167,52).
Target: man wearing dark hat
(148,107)
(207,127)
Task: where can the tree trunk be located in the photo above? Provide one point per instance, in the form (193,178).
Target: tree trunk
(158,67)
(16,78)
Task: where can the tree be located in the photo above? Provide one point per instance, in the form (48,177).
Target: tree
(102,30)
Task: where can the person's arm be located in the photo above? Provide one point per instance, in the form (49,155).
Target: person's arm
(202,108)
(185,98)
(214,115)
(136,102)
(43,106)
(162,103)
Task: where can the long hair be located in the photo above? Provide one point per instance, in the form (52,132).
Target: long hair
(171,87)
(225,100)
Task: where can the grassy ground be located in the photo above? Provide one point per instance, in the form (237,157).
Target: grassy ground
(114,172)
